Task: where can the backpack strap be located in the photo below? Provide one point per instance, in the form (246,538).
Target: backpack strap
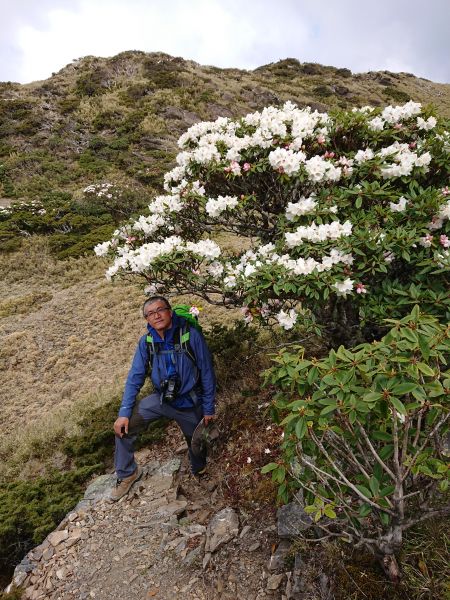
(183,345)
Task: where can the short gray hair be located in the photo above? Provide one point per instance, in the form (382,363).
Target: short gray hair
(153,299)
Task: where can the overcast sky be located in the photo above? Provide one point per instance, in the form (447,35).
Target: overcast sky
(39,37)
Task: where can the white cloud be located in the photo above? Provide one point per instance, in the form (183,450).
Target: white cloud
(41,37)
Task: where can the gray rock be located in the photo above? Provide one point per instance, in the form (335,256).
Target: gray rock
(56,537)
(274,581)
(170,467)
(278,558)
(224,526)
(292,520)
(100,488)
(193,555)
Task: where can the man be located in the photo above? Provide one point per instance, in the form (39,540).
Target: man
(183,378)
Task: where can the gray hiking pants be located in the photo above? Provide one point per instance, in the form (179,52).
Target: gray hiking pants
(149,409)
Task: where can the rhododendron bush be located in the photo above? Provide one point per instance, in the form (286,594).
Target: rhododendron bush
(344,214)
(340,221)
(366,434)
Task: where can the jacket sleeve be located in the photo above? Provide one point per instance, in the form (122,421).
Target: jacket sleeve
(206,368)
(135,379)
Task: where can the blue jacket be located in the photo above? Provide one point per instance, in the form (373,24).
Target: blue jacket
(200,376)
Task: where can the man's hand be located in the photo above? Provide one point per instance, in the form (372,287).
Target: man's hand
(121,422)
(208,418)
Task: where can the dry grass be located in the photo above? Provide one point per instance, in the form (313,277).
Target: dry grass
(67,337)
(71,343)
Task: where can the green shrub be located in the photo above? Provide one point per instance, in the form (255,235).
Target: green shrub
(396,94)
(164,73)
(231,347)
(323,91)
(92,83)
(365,433)
(30,510)
(94,443)
(68,104)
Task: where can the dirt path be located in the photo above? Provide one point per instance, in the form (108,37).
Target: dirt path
(155,543)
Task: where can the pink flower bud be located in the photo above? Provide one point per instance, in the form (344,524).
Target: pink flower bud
(444,241)
(361,288)
(246,166)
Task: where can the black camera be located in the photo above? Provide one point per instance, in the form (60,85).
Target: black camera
(170,388)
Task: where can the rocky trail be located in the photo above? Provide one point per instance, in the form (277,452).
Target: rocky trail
(173,536)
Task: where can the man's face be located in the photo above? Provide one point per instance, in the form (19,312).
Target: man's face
(159,316)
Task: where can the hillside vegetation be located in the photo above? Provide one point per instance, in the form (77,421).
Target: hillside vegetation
(116,121)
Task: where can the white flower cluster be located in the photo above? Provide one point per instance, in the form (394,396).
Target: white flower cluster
(102,249)
(139,259)
(363,109)
(343,287)
(215,206)
(319,169)
(149,225)
(306,266)
(252,260)
(318,233)
(287,319)
(430,123)
(100,189)
(303,207)
(201,142)
(286,161)
(400,206)
(164,204)
(364,155)
(403,160)
(204,248)
(438,220)
(395,114)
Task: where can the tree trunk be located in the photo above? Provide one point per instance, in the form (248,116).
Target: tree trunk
(390,567)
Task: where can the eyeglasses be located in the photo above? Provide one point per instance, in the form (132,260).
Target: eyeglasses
(158,311)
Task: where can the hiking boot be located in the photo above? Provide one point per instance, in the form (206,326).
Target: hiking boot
(123,486)
(200,472)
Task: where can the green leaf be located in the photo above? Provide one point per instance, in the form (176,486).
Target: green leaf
(300,428)
(365,491)
(372,397)
(269,467)
(410,335)
(279,475)
(386,452)
(387,491)
(328,409)
(404,388)
(384,518)
(398,405)
(374,485)
(310,509)
(312,375)
(329,512)
(434,389)
(365,510)
(426,369)
(424,347)
(443,485)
